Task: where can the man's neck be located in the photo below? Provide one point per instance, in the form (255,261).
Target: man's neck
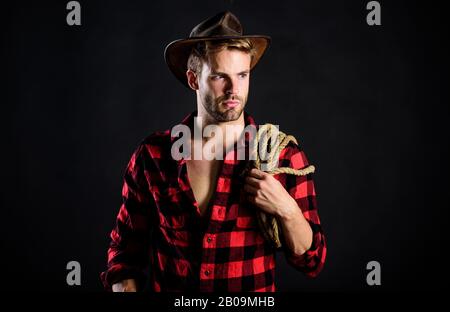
(231,130)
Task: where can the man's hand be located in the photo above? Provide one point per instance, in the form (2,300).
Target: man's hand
(267,193)
(128,285)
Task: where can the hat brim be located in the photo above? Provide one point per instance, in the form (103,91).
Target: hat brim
(177,52)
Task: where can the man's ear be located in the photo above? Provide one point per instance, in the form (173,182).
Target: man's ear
(192,79)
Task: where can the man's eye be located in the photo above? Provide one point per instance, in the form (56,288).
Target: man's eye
(217,77)
(243,75)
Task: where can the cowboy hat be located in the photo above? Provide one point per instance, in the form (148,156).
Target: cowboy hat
(219,27)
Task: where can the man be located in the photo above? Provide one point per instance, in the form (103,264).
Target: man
(193,220)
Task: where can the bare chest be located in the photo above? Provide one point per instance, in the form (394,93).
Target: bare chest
(203,175)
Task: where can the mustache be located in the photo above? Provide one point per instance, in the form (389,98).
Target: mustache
(224,98)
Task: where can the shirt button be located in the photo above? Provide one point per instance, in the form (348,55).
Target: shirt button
(207,272)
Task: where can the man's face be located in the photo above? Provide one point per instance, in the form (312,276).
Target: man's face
(223,84)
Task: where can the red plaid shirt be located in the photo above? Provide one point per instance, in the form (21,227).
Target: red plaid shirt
(159,224)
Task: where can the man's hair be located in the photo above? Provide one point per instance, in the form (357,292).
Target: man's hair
(201,52)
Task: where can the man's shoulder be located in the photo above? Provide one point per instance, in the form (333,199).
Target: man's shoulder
(157,144)
(293,156)
(157,138)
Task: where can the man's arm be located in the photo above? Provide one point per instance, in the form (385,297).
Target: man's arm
(267,193)
(297,232)
(294,203)
(128,253)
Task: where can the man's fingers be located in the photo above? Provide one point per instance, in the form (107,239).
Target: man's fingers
(128,285)
(256,173)
(252,181)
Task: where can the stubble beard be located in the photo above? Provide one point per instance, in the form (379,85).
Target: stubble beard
(216,109)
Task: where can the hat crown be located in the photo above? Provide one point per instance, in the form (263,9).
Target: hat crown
(222,24)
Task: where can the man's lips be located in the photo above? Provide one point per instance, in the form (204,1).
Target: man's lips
(231,103)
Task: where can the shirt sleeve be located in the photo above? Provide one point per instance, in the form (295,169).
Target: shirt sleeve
(302,189)
(129,248)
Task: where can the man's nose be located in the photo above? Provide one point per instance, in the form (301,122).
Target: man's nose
(232,87)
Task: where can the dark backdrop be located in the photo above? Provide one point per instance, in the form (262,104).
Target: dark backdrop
(368,104)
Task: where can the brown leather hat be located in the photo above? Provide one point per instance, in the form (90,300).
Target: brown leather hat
(219,27)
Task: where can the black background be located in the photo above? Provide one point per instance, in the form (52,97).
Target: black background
(368,104)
